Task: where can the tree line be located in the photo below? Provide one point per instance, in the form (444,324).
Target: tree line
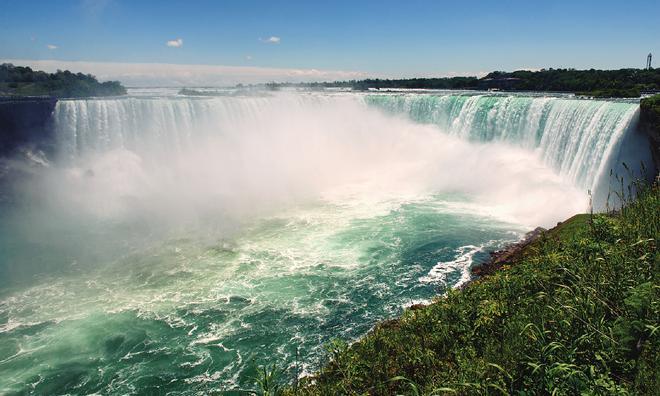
(23,81)
(592,82)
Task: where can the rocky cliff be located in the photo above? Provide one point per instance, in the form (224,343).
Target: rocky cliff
(25,121)
(649,123)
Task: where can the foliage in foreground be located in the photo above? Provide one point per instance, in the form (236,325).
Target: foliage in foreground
(579,314)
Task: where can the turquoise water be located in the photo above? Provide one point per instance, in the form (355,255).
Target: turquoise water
(575,136)
(172,245)
(186,316)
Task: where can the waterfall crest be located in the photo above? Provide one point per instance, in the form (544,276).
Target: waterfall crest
(576,137)
(580,139)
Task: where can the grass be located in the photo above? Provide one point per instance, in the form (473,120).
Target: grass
(578,313)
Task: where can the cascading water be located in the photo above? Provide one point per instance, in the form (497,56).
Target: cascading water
(574,136)
(174,244)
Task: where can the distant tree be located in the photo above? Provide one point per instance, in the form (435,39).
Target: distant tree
(23,81)
(603,83)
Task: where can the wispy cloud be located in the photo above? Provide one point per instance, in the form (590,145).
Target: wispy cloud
(173,75)
(248,57)
(175,43)
(271,40)
(52,47)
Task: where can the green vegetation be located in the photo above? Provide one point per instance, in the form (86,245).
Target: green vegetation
(23,81)
(194,92)
(612,83)
(578,313)
(650,112)
(621,83)
(415,83)
(412,83)
(612,93)
(649,122)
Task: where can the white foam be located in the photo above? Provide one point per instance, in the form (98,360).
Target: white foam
(461,264)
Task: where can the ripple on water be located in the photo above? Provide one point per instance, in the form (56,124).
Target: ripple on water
(202,316)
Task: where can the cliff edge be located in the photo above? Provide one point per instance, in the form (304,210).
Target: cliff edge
(25,120)
(649,123)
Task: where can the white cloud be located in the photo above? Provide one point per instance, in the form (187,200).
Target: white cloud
(248,57)
(52,47)
(271,40)
(173,75)
(175,43)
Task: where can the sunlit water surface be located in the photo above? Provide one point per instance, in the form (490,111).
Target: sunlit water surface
(175,244)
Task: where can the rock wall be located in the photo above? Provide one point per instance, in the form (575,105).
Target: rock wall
(649,123)
(25,121)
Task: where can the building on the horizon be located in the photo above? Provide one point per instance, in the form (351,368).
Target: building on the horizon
(648,61)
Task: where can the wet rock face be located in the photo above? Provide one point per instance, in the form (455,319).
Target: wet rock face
(25,121)
(509,254)
(649,123)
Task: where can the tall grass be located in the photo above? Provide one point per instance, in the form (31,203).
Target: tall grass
(578,314)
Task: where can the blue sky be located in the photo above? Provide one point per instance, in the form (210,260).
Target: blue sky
(378,38)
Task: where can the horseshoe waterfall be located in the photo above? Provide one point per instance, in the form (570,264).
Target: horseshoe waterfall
(182,241)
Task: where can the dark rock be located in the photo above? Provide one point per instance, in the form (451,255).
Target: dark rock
(649,123)
(26,121)
(509,254)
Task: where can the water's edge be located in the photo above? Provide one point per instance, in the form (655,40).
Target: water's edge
(177,287)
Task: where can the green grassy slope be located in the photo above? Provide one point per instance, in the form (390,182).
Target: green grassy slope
(579,313)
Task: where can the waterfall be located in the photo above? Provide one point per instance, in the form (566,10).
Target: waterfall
(576,137)
(169,124)
(172,231)
(580,139)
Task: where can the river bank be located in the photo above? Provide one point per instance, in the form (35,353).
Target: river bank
(333,269)
(570,310)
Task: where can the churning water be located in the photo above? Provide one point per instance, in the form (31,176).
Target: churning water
(173,244)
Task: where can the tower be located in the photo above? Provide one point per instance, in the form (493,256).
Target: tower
(648,61)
